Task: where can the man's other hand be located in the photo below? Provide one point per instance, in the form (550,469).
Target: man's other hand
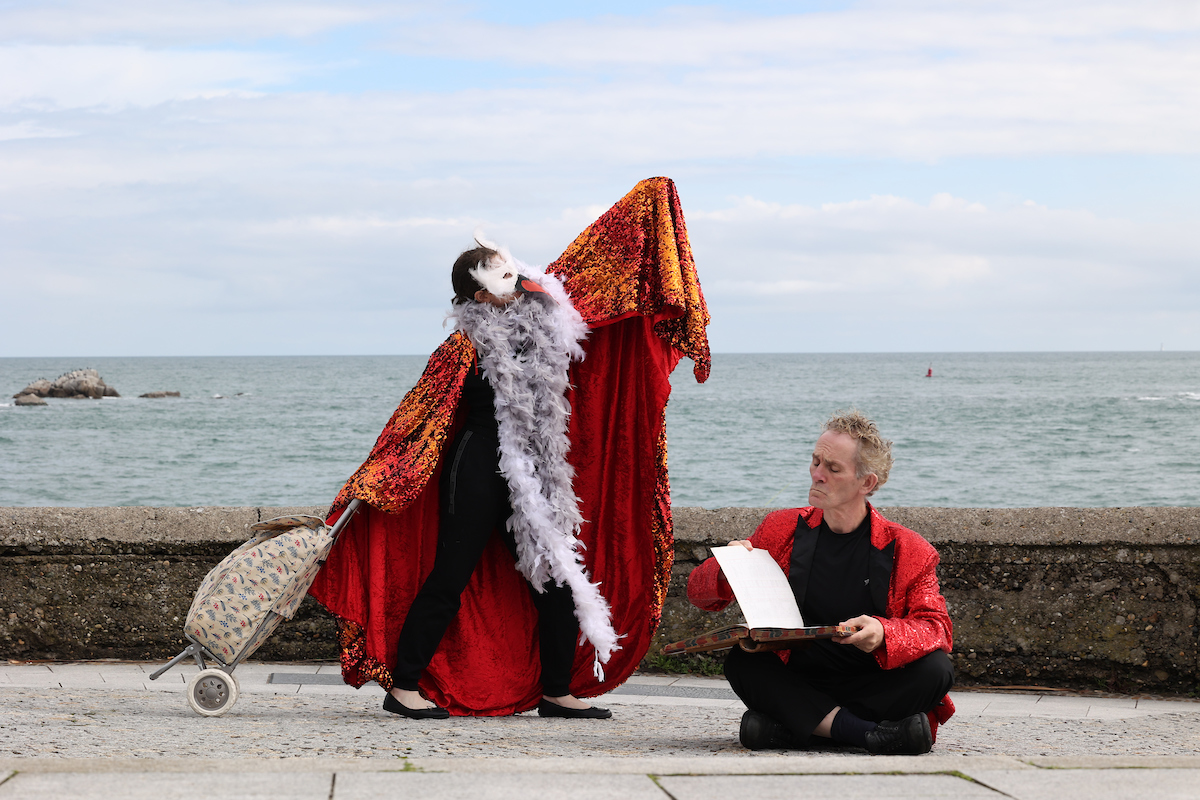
(867,637)
(743,542)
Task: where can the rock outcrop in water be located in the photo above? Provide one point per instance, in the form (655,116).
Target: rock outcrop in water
(29,400)
(154,395)
(39,388)
(78,384)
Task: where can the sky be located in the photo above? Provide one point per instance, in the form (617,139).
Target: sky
(293,177)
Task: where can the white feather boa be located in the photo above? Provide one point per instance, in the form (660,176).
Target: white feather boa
(525,349)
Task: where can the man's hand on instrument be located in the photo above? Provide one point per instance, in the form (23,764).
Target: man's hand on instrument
(743,542)
(868,634)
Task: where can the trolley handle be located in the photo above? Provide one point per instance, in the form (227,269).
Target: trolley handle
(344,519)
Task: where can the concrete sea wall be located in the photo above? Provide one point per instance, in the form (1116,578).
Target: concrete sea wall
(1086,598)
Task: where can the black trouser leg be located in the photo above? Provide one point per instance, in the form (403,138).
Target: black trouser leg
(558,630)
(473,501)
(894,693)
(765,684)
(815,681)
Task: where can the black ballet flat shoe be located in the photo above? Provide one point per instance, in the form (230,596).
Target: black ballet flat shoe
(548,709)
(910,736)
(390,703)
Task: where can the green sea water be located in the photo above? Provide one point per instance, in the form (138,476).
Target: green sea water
(987,430)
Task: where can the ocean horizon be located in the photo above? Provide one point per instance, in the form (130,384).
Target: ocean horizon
(1086,429)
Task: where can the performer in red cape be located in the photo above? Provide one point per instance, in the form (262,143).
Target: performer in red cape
(632,281)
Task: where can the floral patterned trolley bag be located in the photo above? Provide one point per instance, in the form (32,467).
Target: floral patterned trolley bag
(243,599)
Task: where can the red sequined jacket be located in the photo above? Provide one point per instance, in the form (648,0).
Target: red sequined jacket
(916,623)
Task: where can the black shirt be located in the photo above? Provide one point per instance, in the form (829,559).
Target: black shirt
(481,401)
(839,583)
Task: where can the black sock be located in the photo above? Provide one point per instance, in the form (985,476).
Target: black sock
(849,729)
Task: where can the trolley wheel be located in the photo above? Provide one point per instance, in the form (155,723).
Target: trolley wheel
(212,692)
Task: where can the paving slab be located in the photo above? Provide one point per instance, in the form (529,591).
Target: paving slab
(133,765)
(1061,707)
(1146,704)
(30,675)
(652,680)
(676,690)
(449,786)
(970,702)
(748,763)
(1009,705)
(667,700)
(700,682)
(844,787)
(1094,784)
(684,778)
(325,689)
(156,785)
(173,681)
(312,678)
(1118,762)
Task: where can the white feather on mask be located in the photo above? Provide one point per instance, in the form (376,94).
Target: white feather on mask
(498,274)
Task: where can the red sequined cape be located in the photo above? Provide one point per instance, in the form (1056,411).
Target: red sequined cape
(632,278)
(917,621)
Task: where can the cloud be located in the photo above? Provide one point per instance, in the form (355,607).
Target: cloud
(707,36)
(178,22)
(356,227)
(949,270)
(49,78)
(881,272)
(29,129)
(921,80)
(772,288)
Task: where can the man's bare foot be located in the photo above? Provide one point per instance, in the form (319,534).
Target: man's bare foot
(411,699)
(567,701)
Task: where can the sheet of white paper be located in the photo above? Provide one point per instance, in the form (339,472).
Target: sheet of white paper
(762,590)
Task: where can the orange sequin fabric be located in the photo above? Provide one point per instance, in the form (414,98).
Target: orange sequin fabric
(636,259)
(663,529)
(406,453)
(357,665)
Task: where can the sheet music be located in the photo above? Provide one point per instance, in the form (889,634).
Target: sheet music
(762,590)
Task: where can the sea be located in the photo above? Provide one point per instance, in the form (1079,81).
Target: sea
(983,430)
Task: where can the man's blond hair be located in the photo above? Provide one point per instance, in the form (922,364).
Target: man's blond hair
(874,454)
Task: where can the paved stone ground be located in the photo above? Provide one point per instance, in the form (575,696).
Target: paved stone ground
(69,723)
(105,710)
(103,730)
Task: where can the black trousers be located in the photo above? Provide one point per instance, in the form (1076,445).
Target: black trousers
(474,502)
(825,675)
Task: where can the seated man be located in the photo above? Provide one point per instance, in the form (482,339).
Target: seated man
(883,687)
